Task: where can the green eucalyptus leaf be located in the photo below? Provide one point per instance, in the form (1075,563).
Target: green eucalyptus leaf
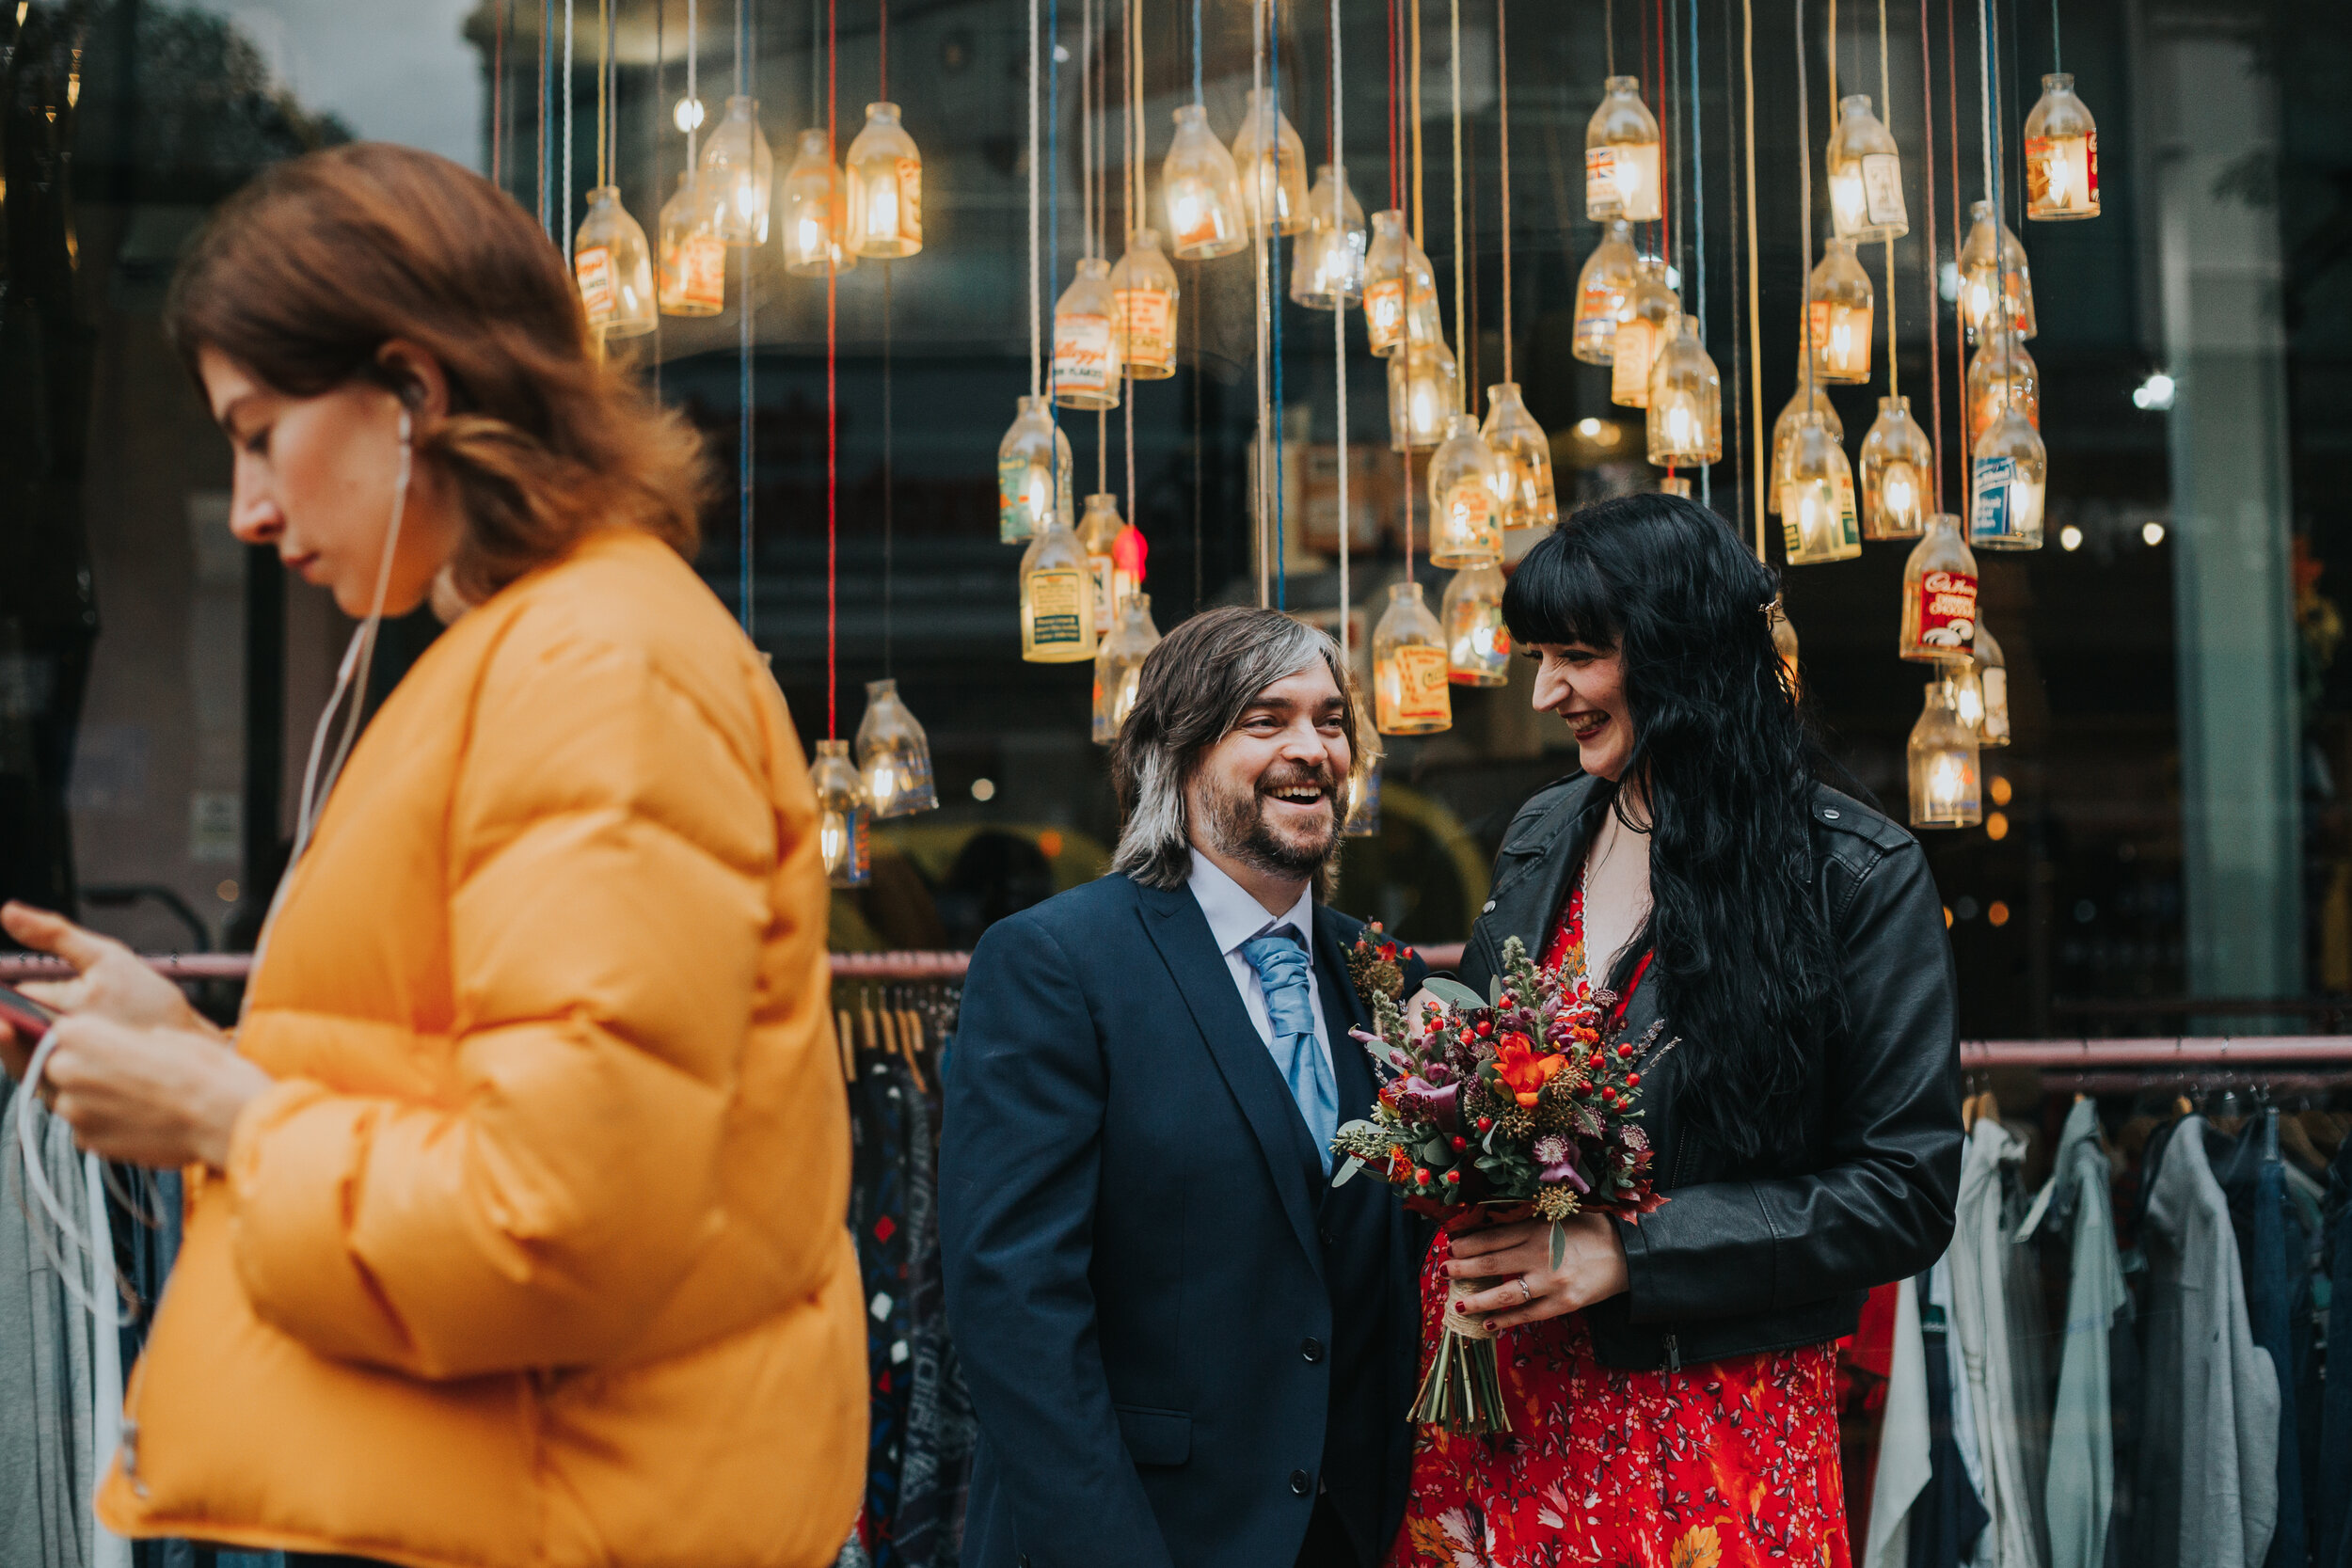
(1559,1245)
(1454,994)
(1494,991)
(1347,1173)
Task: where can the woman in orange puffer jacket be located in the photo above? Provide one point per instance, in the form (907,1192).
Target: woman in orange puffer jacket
(515,1236)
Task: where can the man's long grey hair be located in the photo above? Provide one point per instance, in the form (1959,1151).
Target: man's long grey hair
(1192,691)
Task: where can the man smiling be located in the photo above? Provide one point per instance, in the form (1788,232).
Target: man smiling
(1186,1349)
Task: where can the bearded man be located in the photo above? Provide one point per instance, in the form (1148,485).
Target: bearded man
(1185,1347)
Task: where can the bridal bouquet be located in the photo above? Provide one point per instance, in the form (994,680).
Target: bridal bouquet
(1496,1108)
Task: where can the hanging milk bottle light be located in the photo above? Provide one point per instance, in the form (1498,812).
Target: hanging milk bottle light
(1086,355)
(1032,473)
(1897,462)
(1523,452)
(2007,471)
(1143,308)
(815,211)
(1837,315)
(1271,162)
(1329,271)
(1939,596)
(1987,273)
(612,268)
(1990,671)
(2061,154)
(1685,421)
(738,169)
(1602,292)
(1621,156)
(1057,599)
(1809,397)
(1944,769)
(1649,313)
(843,811)
(894,755)
(1119,666)
(2002,375)
(1865,176)
(1425,387)
(1409,667)
(1465,521)
(693,257)
(1199,188)
(1385,276)
(1100,529)
(1477,643)
(885,179)
(1817,513)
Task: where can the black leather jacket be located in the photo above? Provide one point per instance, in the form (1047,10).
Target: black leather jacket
(1745,1259)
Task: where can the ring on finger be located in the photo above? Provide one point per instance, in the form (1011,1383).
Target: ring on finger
(1526,1294)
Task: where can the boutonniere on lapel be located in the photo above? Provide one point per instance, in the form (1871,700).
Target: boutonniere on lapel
(1376,966)
(1499,1108)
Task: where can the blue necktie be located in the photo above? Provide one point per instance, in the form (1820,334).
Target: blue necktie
(1287,978)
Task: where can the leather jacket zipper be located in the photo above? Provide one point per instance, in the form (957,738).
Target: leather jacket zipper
(1674,1353)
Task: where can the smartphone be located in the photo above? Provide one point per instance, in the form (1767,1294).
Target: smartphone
(22,1014)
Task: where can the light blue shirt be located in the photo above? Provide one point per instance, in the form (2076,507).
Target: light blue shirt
(1234,916)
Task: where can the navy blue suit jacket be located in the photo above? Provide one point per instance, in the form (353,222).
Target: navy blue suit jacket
(1176,1333)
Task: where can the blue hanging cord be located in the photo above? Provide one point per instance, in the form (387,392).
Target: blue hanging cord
(1273,300)
(743,366)
(1195,53)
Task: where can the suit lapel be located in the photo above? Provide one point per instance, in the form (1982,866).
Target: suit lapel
(1343,1010)
(1177,927)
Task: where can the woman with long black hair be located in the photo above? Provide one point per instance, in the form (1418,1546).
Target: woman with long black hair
(1672,1385)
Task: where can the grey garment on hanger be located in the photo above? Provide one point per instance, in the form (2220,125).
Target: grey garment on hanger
(47,1455)
(2208,1484)
(1981,1319)
(2079,1496)
(2031,1373)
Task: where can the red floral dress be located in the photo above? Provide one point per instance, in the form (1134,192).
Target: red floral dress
(1722,1464)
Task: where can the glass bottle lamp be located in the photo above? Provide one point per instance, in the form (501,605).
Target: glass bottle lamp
(1621,163)
(1119,666)
(1477,643)
(1032,473)
(1991,670)
(1944,773)
(1939,620)
(1425,387)
(2002,375)
(1986,273)
(1817,513)
(1085,354)
(1649,311)
(1328,273)
(894,754)
(1865,176)
(1385,280)
(1685,421)
(843,812)
(2007,472)
(815,211)
(1271,162)
(2061,154)
(1143,308)
(1199,188)
(1409,667)
(693,258)
(1465,511)
(1057,599)
(1098,528)
(612,268)
(1785,431)
(1524,453)
(885,179)
(1898,471)
(1838,300)
(740,171)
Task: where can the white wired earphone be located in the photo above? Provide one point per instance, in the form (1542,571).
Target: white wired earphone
(353,676)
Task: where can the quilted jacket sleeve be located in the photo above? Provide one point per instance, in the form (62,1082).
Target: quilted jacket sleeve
(609,846)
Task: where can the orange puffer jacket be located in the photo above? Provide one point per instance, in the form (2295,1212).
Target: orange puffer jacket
(536,1254)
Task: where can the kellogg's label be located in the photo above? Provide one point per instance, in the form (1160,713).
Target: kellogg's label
(1946,610)
(1084,357)
(593,268)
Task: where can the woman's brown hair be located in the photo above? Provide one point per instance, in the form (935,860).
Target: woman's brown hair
(307,271)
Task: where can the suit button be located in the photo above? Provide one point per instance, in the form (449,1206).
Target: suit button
(1311,1348)
(1327,1239)
(1301,1482)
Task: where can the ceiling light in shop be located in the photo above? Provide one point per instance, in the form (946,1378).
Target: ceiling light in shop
(2153,393)
(2153,532)
(687,113)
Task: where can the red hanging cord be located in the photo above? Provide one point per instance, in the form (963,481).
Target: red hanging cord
(884,49)
(833,416)
(1959,342)
(1396,191)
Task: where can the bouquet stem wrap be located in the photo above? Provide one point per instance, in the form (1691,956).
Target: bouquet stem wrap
(1463,1390)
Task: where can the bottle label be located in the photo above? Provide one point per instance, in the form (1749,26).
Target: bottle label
(1203,230)
(1014,520)
(1102,576)
(1384,313)
(1083,356)
(1883,190)
(1944,610)
(1990,513)
(845,834)
(1421,695)
(2091,164)
(1057,610)
(910,200)
(1470,511)
(699,272)
(1601,196)
(1634,347)
(1848,528)
(1139,319)
(593,268)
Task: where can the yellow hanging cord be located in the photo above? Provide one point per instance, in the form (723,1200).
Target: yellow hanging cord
(1461,311)
(1887,106)
(1419,238)
(604,68)
(1756,331)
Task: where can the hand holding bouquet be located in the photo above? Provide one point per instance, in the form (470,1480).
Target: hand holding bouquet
(1498,1108)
